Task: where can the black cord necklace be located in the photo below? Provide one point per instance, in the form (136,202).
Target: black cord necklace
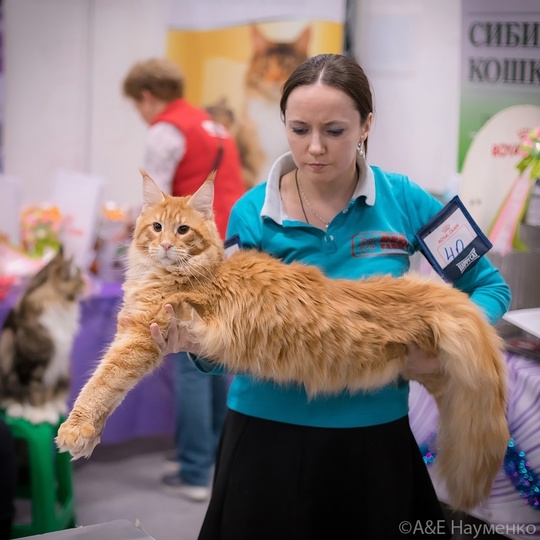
(300,196)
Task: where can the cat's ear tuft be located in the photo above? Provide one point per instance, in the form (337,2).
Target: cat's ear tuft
(151,193)
(203,199)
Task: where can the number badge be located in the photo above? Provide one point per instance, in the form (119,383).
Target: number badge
(452,242)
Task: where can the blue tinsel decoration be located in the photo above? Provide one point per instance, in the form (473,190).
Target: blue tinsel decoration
(523,477)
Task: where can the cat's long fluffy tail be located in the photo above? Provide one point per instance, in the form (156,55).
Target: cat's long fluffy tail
(471,445)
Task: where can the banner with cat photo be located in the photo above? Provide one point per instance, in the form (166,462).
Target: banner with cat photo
(236,55)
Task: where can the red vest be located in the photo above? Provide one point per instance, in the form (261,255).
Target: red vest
(203,137)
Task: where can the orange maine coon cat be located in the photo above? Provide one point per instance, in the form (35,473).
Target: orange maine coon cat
(290,323)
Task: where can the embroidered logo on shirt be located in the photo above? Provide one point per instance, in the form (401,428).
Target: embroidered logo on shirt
(379,243)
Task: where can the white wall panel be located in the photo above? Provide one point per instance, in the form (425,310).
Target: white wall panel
(46,90)
(64,63)
(410,50)
(124,31)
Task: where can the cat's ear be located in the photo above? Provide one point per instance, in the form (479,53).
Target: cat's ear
(203,199)
(302,42)
(260,43)
(151,193)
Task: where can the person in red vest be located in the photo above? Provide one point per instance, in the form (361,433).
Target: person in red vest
(183,145)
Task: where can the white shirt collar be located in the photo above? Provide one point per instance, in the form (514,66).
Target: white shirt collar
(272,206)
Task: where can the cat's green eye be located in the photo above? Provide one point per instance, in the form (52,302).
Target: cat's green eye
(157,226)
(183,229)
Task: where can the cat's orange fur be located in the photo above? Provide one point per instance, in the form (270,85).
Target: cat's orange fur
(290,323)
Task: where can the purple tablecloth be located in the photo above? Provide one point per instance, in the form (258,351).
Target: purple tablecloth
(148,409)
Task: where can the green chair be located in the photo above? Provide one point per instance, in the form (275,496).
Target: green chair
(49,487)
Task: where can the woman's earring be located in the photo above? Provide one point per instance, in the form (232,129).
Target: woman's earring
(360,150)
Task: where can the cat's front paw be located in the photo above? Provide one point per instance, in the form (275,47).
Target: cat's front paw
(77,437)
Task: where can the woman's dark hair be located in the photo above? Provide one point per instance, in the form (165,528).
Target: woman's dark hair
(336,70)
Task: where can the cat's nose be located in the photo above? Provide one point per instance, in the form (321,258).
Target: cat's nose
(166,245)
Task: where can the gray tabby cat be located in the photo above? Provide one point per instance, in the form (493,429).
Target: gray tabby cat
(36,342)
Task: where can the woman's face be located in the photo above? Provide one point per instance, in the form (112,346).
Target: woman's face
(323,131)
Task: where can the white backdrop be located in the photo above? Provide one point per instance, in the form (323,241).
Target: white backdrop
(65,61)
(410,50)
(205,14)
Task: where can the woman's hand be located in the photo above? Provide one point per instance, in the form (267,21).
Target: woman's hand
(420,363)
(178,337)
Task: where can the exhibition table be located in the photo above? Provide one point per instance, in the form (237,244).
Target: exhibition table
(148,409)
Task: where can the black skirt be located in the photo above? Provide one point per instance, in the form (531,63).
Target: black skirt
(278,481)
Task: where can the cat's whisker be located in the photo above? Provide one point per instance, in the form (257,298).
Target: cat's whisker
(196,273)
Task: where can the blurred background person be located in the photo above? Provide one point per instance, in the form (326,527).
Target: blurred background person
(183,145)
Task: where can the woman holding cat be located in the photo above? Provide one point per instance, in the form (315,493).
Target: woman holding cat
(346,465)
(183,145)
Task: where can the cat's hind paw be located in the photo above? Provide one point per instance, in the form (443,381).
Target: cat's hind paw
(79,439)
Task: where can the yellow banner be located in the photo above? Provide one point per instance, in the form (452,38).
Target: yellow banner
(237,72)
